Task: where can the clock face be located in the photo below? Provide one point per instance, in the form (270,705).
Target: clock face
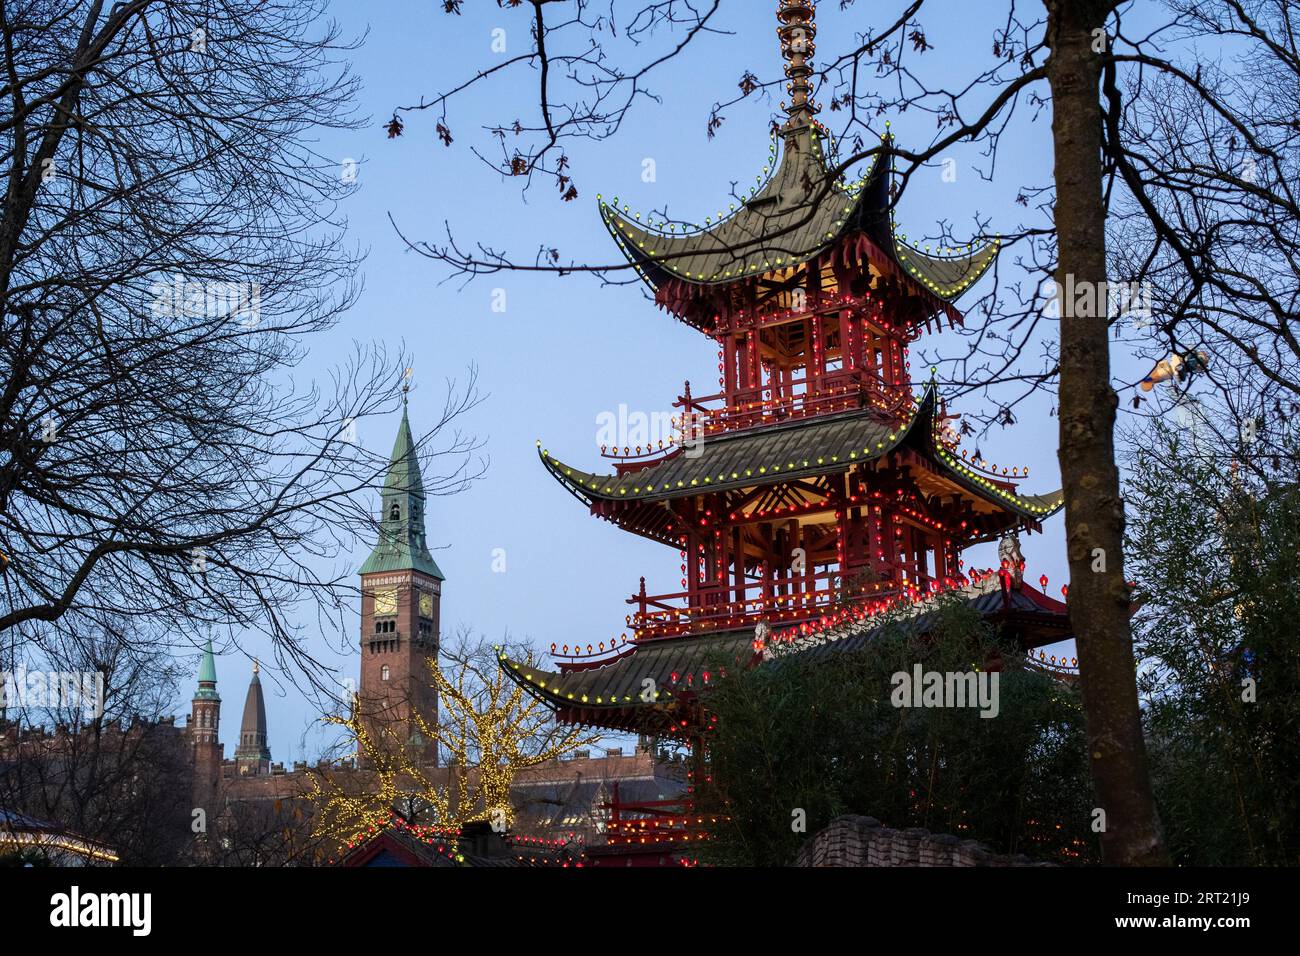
(426,605)
(385,601)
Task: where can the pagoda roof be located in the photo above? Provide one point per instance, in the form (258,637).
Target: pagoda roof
(800,211)
(798,449)
(621,683)
(1019,604)
(612,694)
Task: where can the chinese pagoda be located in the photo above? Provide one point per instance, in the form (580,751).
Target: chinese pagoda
(814,490)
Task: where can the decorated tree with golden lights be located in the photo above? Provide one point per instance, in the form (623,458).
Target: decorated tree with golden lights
(349,802)
(487,731)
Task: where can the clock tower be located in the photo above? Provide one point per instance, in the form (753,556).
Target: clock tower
(401,594)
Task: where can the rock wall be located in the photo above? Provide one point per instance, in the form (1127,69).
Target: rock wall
(865,841)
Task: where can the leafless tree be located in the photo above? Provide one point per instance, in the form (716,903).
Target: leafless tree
(170,241)
(113,770)
(1208,222)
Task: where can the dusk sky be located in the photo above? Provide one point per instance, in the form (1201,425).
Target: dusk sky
(566,350)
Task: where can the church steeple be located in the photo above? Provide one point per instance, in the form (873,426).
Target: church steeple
(253,756)
(402,545)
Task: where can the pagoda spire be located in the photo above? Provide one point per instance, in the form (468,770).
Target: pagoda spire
(797,29)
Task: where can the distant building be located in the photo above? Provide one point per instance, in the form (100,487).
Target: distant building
(249,809)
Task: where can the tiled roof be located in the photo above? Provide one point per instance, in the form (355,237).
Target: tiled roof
(622,683)
(800,449)
(740,459)
(679,666)
(798,211)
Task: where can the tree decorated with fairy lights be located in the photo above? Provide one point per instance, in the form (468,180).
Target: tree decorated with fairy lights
(349,803)
(488,731)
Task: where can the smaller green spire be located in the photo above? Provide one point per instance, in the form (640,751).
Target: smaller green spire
(207,675)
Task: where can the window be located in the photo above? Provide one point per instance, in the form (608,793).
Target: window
(383,672)
(394,513)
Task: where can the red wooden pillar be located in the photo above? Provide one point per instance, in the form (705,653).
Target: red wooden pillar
(780,561)
(810,566)
(847,358)
(884,551)
(843,542)
(816,356)
(718,572)
(729,368)
(693,571)
(767,568)
(795,577)
(738,565)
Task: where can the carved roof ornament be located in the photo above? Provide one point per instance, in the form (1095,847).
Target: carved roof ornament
(1011,558)
(797,31)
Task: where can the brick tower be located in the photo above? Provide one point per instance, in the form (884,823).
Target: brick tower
(204,727)
(401,593)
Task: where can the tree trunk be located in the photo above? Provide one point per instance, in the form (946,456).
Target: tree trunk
(1094,510)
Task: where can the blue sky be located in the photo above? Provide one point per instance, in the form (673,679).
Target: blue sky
(566,349)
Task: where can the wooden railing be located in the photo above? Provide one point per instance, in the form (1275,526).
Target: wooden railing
(712,607)
(836,391)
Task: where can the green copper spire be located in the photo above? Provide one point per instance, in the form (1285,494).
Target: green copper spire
(207,675)
(402,544)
